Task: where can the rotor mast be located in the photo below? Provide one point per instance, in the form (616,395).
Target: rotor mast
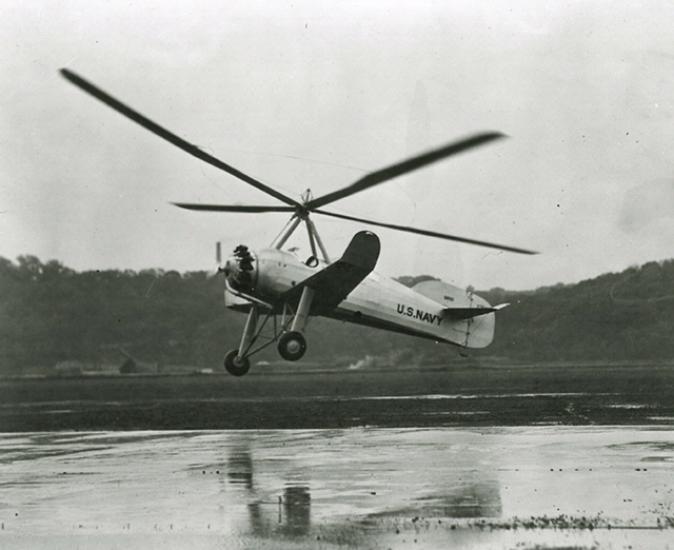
(302,215)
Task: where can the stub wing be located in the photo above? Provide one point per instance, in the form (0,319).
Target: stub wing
(334,283)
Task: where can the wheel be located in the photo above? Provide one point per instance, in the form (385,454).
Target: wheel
(235,365)
(292,346)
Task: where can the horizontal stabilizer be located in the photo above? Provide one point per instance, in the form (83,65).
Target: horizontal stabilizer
(462,313)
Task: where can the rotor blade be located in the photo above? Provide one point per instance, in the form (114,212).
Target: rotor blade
(406,166)
(428,233)
(233,208)
(163,133)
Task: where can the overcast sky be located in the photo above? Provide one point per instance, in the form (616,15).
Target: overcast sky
(315,94)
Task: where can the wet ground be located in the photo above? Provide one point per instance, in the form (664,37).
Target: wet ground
(460,395)
(469,456)
(473,487)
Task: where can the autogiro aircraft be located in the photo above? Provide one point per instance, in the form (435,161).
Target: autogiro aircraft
(275,284)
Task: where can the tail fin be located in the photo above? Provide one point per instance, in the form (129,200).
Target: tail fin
(444,293)
(466,314)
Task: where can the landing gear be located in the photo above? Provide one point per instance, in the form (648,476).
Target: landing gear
(235,365)
(292,345)
(236,360)
(291,342)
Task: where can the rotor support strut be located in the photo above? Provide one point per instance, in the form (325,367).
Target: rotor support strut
(315,242)
(286,232)
(312,240)
(319,242)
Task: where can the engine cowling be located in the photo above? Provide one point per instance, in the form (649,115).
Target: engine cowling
(241,269)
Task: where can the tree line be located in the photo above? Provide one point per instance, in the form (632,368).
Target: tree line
(50,313)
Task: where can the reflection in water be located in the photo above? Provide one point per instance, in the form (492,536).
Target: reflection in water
(290,517)
(473,498)
(287,515)
(240,467)
(455,497)
(369,489)
(259,525)
(297,510)
(274,510)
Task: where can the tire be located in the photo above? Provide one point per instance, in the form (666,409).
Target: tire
(292,345)
(234,365)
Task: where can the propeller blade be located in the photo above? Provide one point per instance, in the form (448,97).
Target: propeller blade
(163,133)
(428,233)
(233,208)
(400,168)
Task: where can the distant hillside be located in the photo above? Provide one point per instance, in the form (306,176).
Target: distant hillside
(50,314)
(627,315)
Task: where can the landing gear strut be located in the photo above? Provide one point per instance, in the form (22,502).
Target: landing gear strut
(292,344)
(236,360)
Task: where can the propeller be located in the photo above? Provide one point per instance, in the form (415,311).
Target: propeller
(308,204)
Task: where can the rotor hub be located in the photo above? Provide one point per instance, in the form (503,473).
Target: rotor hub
(306,196)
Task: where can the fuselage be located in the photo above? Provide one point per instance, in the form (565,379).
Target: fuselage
(378,301)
